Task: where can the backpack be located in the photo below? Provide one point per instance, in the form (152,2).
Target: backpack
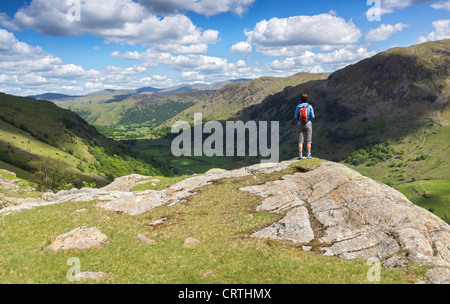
(303,117)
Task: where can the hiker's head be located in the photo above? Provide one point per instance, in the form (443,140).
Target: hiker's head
(304,98)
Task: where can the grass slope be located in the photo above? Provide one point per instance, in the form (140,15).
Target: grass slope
(225,255)
(31,129)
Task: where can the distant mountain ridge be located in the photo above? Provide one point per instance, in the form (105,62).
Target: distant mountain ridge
(174,89)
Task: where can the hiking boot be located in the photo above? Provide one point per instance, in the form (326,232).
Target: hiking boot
(300,155)
(309,156)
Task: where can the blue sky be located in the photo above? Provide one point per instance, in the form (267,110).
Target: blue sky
(81,46)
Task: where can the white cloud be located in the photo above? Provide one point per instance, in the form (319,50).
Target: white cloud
(442,31)
(202,7)
(7,23)
(196,65)
(29,70)
(289,35)
(242,48)
(12,49)
(319,62)
(442,5)
(383,32)
(118,21)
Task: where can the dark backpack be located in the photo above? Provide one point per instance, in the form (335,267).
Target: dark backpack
(303,117)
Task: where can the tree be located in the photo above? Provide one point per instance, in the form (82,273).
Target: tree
(52,174)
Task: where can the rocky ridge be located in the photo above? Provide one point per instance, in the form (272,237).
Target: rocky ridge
(331,210)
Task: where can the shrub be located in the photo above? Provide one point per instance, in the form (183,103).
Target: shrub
(52,174)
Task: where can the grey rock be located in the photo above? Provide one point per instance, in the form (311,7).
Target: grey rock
(355,216)
(48,196)
(215,170)
(295,227)
(158,222)
(439,275)
(79,238)
(190,242)
(141,202)
(125,183)
(395,262)
(8,172)
(145,239)
(6,202)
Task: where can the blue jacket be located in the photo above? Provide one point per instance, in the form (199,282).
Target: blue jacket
(311,115)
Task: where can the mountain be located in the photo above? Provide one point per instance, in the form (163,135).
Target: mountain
(52,96)
(111,110)
(158,108)
(201,86)
(387,96)
(236,96)
(32,130)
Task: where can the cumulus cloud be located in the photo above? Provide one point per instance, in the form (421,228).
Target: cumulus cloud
(29,70)
(242,48)
(200,67)
(318,62)
(442,5)
(118,21)
(384,31)
(288,35)
(441,31)
(202,7)
(7,23)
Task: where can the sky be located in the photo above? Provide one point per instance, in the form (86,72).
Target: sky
(77,47)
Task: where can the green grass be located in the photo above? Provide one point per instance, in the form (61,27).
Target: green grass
(438,192)
(19,172)
(222,224)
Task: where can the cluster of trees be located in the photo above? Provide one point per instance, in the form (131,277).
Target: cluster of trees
(52,174)
(112,166)
(372,155)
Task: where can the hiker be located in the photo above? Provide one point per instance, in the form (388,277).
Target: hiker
(304,113)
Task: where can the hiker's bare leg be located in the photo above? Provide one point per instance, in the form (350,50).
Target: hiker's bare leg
(308,147)
(300,147)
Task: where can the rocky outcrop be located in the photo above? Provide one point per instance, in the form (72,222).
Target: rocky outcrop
(117,198)
(141,202)
(342,213)
(74,195)
(331,210)
(80,238)
(126,183)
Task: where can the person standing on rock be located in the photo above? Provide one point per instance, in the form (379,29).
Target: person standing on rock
(304,113)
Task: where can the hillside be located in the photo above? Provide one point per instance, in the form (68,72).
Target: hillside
(135,116)
(114,109)
(34,129)
(292,222)
(234,97)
